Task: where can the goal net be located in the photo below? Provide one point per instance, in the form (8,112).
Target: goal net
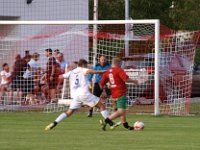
(163,66)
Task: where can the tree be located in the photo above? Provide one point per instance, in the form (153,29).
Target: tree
(185,15)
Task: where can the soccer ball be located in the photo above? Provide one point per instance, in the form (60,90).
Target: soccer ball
(138,125)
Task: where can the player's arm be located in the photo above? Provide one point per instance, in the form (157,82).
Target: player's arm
(126,78)
(132,81)
(90,71)
(103,81)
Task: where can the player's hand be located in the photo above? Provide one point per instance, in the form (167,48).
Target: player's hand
(136,82)
(61,76)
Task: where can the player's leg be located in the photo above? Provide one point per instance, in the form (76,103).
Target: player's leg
(105,115)
(114,105)
(121,110)
(97,92)
(76,104)
(125,123)
(94,101)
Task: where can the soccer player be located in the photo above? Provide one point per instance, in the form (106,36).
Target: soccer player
(97,91)
(79,90)
(117,78)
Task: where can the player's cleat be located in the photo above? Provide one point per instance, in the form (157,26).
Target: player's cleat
(103,124)
(115,125)
(50,126)
(130,128)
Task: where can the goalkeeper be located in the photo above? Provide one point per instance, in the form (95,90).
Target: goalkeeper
(117,78)
(97,91)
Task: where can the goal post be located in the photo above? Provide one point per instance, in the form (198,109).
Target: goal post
(158,58)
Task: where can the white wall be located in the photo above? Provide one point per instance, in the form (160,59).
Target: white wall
(73,46)
(45,9)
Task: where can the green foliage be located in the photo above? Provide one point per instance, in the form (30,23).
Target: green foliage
(25,131)
(184,16)
(197,56)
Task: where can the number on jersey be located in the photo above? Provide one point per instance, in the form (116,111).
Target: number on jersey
(111,79)
(77,81)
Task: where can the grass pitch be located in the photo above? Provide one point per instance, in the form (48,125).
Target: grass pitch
(25,131)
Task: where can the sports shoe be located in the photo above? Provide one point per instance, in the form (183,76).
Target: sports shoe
(115,125)
(131,128)
(50,126)
(103,124)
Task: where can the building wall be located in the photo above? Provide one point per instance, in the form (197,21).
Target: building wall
(14,39)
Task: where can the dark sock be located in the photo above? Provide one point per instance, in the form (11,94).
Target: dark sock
(127,126)
(110,122)
(91,110)
(55,123)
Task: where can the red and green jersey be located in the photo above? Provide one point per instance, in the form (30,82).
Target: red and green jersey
(117,78)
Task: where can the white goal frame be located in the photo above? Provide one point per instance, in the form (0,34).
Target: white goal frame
(156,23)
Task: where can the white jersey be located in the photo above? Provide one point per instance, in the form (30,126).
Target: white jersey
(6,74)
(79,84)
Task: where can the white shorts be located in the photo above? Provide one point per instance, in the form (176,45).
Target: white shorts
(88,99)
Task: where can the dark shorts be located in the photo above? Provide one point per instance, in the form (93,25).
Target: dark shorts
(97,91)
(28,85)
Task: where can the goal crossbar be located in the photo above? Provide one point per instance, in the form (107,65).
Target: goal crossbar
(80,22)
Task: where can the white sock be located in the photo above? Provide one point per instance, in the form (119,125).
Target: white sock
(105,114)
(61,117)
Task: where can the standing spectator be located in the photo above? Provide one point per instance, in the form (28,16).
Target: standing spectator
(28,79)
(51,76)
(5,80)
(56,52)
(17,75)
(102,65)
(63,63)
(34,61)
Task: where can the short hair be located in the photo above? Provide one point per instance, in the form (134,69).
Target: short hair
(49,50)
(102,56)
(116,61)
(35,55)
(27,57)
(57,51)
(5,64)
(17,57)
(60,54)
(82,62)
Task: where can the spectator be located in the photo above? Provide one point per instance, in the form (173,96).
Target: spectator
(63,63)
(17,75)
(102,65)
(28,79)
(33,63)
(56,52)
(51,76)
(5,80)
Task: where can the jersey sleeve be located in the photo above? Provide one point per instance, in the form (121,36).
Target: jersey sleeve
(90,76)
(2,73)
(85,70)
(66,75)
(123,75)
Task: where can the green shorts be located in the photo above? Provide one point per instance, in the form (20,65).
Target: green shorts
(121,102)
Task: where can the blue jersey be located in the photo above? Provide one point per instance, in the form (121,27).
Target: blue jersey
(99,67)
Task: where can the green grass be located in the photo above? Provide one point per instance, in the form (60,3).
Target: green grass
(25,131)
